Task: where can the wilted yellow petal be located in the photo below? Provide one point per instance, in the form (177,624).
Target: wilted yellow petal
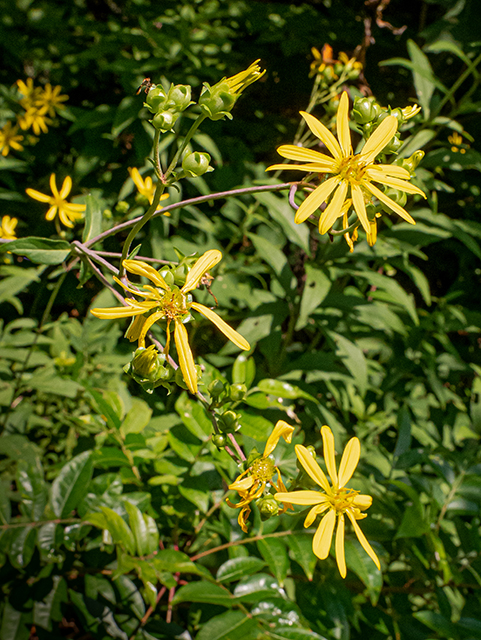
(312,468)
(340,557)
(228,331)
(321,543)
(281,430)
(135,327)
(186,359)
(364,543)
(141,268)
(151,320)
(329,453)
(243,517)
(349,461)
(202,265)
(242,484)
(323,133)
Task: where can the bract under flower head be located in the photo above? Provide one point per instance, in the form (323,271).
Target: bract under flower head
(67,212)
(352,175)
(251,484)
(162,302)
(335,500)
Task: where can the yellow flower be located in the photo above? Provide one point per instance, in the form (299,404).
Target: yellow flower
(67,212)
(36,119)
(337,499)
(145,187)
(322,59)
(50,100)
(352,176)
(28,91)
(251,484)
(7,228)
(9,139)
(241,80)
(456,140)
(173,304)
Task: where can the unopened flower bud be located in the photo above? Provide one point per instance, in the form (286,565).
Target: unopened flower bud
(412,162)
(216,101)
(237,392)
(215,388)
(165,120)
(228,422)
(219,440)
(196,163)
(268,507)
(156,98)
(394,145)
(365,110)
(168,276)
(146,362)
(399,197)
(178,98)
(122,207)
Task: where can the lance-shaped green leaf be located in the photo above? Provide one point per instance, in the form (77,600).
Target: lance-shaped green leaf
(38,250)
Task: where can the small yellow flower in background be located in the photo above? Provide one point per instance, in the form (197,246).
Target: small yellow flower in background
(322,59)
(9,139)
(67,212)
(173,304)
(251,484)
(7,228)
(28,91)
(36,119)
(145,187)
(50,99)
(352,176)
(337,499)
(456,140)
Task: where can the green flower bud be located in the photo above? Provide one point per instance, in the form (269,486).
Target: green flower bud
(180,274)
(399,197)
(268,507)
(178,98)
(237,392)
(156,98)
(371,211)
(147,362)
(398,113)
(228,422)
(394,145)
(196,163)
(365,110)
(215,388)
(412,162)
(165,120)
(168,276)
(217,101)
(179,378)
(329,74)
(122,207)
(219,440)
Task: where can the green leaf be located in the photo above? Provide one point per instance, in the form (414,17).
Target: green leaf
(276,259)
(281,211)
(15,279)
(175,561)
(39,250)
(47,382)
(274,553)
(93,219)
(119,530)
(203,592)
(389,290)
(125,114)
(137,418)
(5,509)
(33,490)
(71,484)
(297,634)
(255,426)
(138,527)
(22,546)
(15,624)
(358,561)
(243,370)
(424,79)
(238,568)
(301,551)
(316,288)
(197,491)
(415,142)
(232,625)
(282,389)
(194,417)
(258,587)
(18,447)
(185,445)
(354,360)
(436,622)
(48,609)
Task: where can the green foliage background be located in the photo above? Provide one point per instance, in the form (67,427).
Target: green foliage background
(113,521)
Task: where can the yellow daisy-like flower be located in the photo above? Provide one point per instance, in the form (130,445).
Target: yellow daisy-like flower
(337,500)
(28,91)
(145,187)
(9,139)
(67,212)
(456,140)
(251,484)
(173,304)
(352,176)
(7,228)
(50,99)
(36,119)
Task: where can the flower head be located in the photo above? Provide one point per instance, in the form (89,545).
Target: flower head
(351,176)
(145,187)
(50,99)
(456,141)
(67,212)
(251,484)
(335,500)
(36,119)
(7,228)
(172,304)
(9,139)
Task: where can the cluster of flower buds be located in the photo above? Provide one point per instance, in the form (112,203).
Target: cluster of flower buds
(330,69)
(369,114)
(222,392)
(167,105)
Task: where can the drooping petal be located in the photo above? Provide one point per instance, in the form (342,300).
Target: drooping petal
(314,512)
(323,133)
(141,268)
(362,539)
(64,217)
(396,183)
(321,543)
(151,320)
(66,187)
(135,327)
(228,331)
(112,313)
(281,430)
(392,170)
(343,132)
(304,497)
(380,195)
(203,264)
(334,209)
(242,484)
(36,195)
(362,501)
(243,517)
(186,359)
(329,453)
(340,557)
(360,207)
(349,461)
(312,468)
(379,139)
(315,199)
(292,152)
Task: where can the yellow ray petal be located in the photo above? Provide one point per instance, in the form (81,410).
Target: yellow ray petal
(334,209)
(186,359)
(53,185)
(314,512)
(362,501)
(292,152)
(110,313)
(343,133)
(243,517)
(151,320)
(228,331)
(36,195)
(203,264)
(323,133)
(63,215)
(304,498)
(312,468)
(329,453)
(321,543)
(242,484)
(360,207)
(380,195)
(379,139)
(313,167)
(315,199)
(396,183)
(281,430)
(134,328)
(349,461)
(143,269)
(364,543)
(340,557)
(393,170)
(66,187)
